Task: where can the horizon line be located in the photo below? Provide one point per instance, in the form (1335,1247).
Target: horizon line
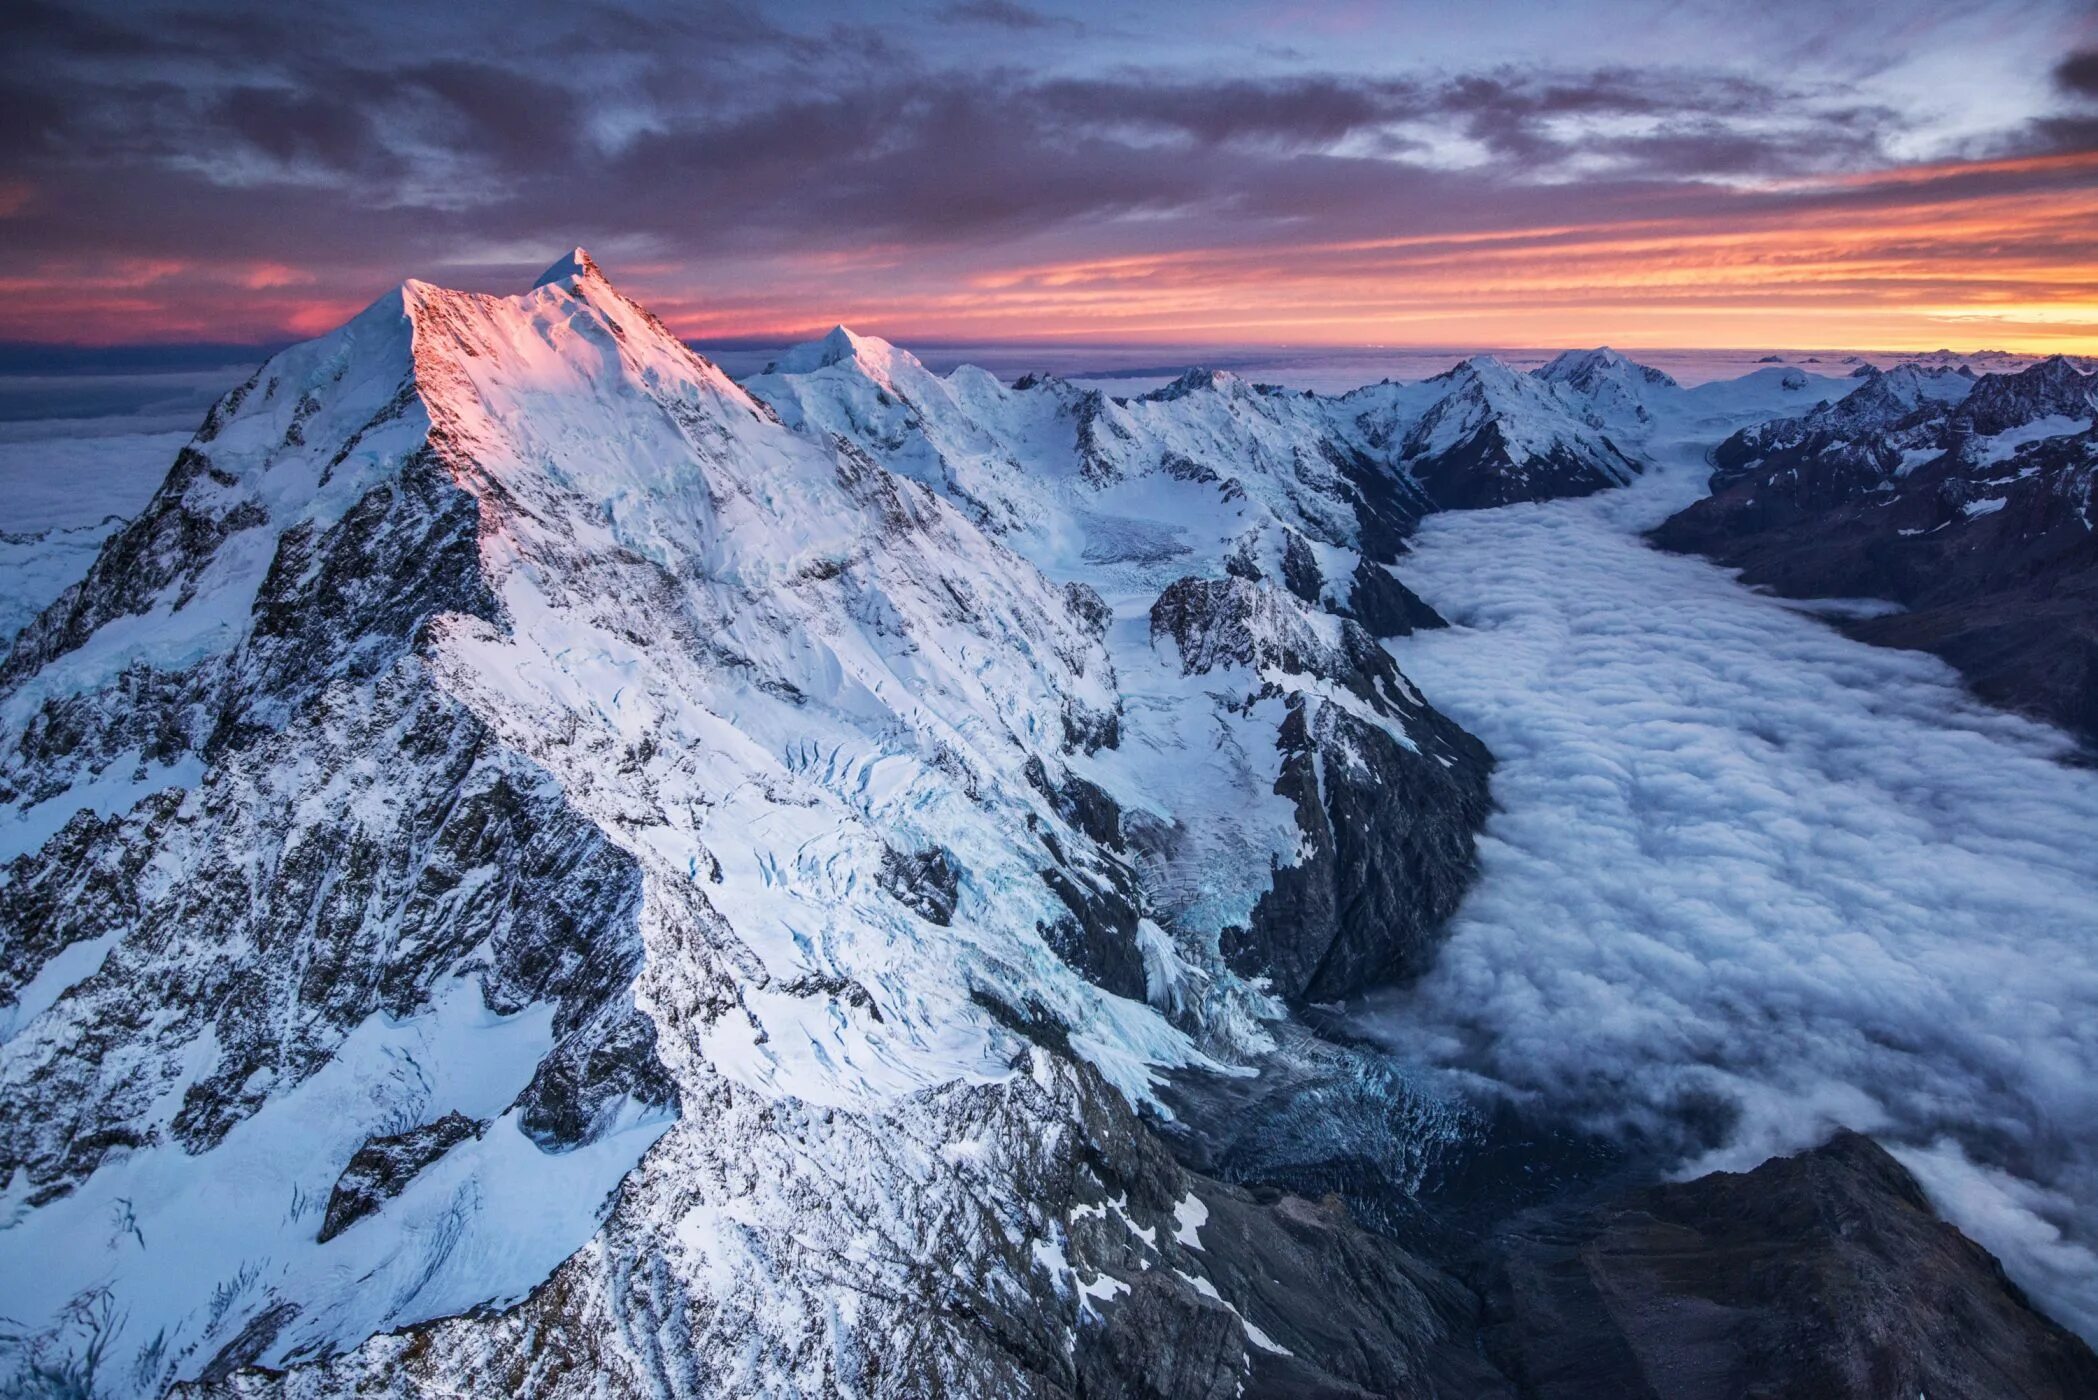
(21,357)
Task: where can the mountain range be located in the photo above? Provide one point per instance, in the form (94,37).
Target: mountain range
(1966,500)
(533,867)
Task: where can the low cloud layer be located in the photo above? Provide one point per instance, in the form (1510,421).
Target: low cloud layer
(1002,170)
(1750,881)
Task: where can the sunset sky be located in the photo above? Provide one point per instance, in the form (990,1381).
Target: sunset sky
(1648,174)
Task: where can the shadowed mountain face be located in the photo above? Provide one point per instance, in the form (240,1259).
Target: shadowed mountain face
(1822,1274)
(534,868)
(1970,503)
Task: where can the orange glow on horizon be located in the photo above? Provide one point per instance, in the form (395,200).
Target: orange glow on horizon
(1985,254)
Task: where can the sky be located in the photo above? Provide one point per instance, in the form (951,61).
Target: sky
(1271,172)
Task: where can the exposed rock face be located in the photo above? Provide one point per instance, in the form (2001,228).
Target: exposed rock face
(1973,508)
(927,882)
(1386,607)
(1300,569)
(271,949)
(1822,1274)
(1190,1287)
(384,1165)
(1387,792)
(1868,428)
(1480,470)
(1388,830)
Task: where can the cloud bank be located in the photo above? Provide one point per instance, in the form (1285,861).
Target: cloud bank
(1751,880)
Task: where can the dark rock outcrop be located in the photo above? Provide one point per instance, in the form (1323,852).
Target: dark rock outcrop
(1485,470)
(1088,607)
(1388,832)
(1824,1274)
(1300,568)
(1085,806)
(1098,933)
(384,1166)
(1386,607)
(926,882)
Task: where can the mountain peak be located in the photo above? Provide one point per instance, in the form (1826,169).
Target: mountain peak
(841,342)
(576,262)
(1585,370)
(1192,381)
(843,346)
(1482,370)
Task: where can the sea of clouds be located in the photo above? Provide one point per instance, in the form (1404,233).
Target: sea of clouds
(1746,870)
(79,454)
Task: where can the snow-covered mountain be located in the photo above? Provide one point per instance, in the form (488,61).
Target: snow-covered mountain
(509,799)
(1869,428)
(1969,501)
(531,868)
(1618,388)
(1127,493)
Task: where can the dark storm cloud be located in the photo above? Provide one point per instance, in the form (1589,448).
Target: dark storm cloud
(1296,110)
(298,127)
(512,117)
(909,154)
(2078,73)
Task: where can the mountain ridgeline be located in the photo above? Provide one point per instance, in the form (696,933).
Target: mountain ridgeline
(1967,500)
(534,868)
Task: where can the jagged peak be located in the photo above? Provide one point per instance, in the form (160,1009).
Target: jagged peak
(1193,380)
(1489,378)
(2056,372)
(842,345)
(575,263)
(1911,370)
(1567,361)
(2057,365)
(1483,367)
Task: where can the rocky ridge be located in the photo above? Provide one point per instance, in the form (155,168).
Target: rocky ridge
(1966,501)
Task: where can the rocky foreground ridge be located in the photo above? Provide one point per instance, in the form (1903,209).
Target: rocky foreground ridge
(536,869)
